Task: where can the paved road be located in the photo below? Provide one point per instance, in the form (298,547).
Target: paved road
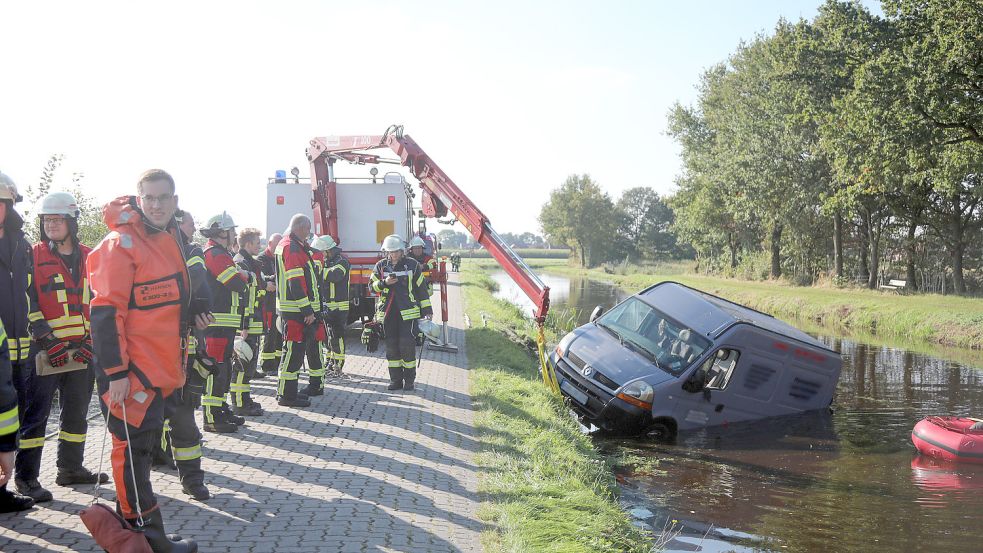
(362,469)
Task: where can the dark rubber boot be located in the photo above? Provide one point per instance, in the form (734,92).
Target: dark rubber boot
(196,489)
(409,377)
(80,475)
(11,502)
(395,379)
(220,427)
(32,488)
(153,530)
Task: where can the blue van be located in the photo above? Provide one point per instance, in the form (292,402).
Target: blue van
(674,358)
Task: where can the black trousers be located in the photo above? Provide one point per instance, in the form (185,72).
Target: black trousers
(218,345)
(181,437)
(272,348)
(336,340)
(74,393)
(243,373)
(400,348)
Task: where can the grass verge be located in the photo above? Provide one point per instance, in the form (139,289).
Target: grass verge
(932,318)
(544,486)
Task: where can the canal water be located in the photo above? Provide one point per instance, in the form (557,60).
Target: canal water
(847,481)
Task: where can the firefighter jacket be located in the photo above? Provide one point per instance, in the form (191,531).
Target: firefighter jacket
(9,421)
(201,294)
(15,278)
(267,269)
(228,288)
(429,265)
(59,303)
(256,292)
(337,275)
(408,296)
(297,293)
(140,301)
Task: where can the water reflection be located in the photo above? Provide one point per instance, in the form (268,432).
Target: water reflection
(843,481)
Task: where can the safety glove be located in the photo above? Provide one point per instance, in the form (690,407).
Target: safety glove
(84,353)
(57,350)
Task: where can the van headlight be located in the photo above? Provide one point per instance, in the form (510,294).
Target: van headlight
(561,348)
(638,393)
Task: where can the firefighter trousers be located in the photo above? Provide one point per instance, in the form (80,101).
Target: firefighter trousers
(400,348)
(218,345)
(272,350)
(336,340)
(131,473)
(74,393)
(314,350)
(243,373)
(290,363)
(181,437)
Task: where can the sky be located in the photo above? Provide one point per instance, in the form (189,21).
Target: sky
(509,98)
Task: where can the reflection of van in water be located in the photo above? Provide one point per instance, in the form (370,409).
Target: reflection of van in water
(674,358)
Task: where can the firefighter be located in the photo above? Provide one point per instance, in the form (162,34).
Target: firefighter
(297,298)
(337,276)
(180,442)
(399,281)
(427,262)
(59,322)
(139,315)
(229,286)
(272,339)
(244,370)
(9,425)
(316,347)
(456,262)
(15,273)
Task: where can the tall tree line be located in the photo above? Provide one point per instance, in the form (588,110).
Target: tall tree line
(850,145)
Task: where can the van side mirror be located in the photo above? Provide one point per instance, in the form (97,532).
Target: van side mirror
(597,312)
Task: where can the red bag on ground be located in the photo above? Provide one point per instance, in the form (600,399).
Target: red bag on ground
(112,532)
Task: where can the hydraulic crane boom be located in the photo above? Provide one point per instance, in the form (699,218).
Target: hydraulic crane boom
(440,196)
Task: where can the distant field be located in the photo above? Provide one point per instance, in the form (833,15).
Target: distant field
(525,253)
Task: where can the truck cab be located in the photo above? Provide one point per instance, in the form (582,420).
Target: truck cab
(673,358)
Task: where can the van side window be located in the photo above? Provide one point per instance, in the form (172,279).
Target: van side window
(720,368)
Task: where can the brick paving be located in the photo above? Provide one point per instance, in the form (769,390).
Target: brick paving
(361,470)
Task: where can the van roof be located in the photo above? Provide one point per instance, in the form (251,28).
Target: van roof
(710,315)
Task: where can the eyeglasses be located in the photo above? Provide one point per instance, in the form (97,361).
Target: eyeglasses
(162,199)
(49,220)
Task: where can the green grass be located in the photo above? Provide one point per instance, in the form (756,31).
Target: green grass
(531,253)
(544,487)
(911,319)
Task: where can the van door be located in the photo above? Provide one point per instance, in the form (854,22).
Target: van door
(707,396)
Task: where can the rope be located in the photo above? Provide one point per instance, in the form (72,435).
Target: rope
(549,377)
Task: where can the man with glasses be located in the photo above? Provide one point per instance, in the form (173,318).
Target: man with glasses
(59,321)
(140,313)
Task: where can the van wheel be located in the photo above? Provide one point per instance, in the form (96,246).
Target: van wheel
(662,430)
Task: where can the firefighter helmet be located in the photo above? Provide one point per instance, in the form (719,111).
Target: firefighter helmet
(59,203)
(8,190)
(417,241)
(392,243)
(324,243)
(242,350)
(222,221)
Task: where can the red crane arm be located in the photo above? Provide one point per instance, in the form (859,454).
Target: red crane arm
(440,195)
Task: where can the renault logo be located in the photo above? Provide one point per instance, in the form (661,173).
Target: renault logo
(588,370)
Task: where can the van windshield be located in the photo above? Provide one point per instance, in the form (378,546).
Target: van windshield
(640,326)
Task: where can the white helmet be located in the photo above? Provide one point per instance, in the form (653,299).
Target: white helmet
(417,241)
(429,328)
(392,243)
(59,203)
(223,221)
(8,190)
(242,350)
(324,243)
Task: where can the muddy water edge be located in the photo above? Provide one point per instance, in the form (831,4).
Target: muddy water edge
(848,480)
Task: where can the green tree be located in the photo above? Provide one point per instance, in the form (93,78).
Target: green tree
(646,223)
(582,216)
(91,228)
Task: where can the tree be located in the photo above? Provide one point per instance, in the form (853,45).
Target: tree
(91,228)
(582,216)
(646,223)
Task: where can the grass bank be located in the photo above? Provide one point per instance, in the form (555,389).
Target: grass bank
(544,486)
(933,318)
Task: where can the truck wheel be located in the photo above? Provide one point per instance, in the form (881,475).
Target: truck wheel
(662,430)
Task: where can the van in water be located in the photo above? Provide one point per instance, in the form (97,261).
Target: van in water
(673,358)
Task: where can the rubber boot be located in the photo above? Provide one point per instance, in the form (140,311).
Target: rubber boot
(395,378)
(409,377)
(11,502)
(314,388)
(33,489)
(196,489)
(153,530)
(80,475)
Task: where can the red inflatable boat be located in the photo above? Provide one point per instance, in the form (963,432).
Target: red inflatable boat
(949,438)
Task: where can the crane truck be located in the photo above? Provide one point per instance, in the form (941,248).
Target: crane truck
(359,212)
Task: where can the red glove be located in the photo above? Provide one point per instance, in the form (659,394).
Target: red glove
(57,351)
(84,353)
